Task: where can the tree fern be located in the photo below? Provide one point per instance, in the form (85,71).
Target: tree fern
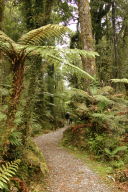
(27,47)
(17,53)
(7,171)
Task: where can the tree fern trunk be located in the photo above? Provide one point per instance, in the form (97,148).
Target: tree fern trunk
(17,86)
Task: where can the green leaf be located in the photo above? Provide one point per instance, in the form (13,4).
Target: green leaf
(7,171)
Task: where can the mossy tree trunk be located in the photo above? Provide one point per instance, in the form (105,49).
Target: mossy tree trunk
(86,36)
(115,66)
(2,5)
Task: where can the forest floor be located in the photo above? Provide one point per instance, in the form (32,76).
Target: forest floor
(66,172)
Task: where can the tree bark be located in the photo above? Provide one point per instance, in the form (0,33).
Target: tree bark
(115,59)
(86,36)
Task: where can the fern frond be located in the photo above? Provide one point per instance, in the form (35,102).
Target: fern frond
(72,67)
(79,71)
(5,38)
(7,171)
(62,56)
(43,51)
(102,98)
(5,48)
(15,138)
(70,52)
(80,92)
(116,150)
(10,49)
(42,34)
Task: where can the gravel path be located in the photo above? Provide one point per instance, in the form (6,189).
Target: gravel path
(66,172)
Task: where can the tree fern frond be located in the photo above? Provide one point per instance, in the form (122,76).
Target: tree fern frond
(80,52)
(4,47)
(12,50)
(8,48)
(7,171)
(73,68)
(63,57)
(43,51)
(43,33)
(5,38)
(79,71)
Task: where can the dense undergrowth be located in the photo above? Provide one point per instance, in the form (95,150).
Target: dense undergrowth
(25,174)
(101,128)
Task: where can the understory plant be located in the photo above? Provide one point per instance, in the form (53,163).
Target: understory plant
(100,124)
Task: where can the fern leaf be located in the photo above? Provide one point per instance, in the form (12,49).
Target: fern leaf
(15,138)
(108,152)
(5,38)
(44,33)
(118,149)
(81,52)
(2,179)
(1,184)
(73,67)
(7,171)
(80,71)
(43,51)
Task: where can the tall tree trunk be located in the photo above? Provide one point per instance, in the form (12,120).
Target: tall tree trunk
(1,20)
(115,59)
(87,42)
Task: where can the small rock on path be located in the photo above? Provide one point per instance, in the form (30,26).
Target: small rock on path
(66,172)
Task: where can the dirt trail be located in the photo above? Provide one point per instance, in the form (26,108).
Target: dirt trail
(66,172)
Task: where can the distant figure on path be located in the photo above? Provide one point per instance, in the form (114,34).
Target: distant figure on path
(68,118)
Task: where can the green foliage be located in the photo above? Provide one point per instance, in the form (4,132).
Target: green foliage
(124,80)
(34,157)
(15,138)
(100,124)
(7,171)
(26,47)
(13,22)
(4,92)
(114,153)
(43,33)
(2,116)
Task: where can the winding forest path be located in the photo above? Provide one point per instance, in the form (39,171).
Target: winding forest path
(66,172)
